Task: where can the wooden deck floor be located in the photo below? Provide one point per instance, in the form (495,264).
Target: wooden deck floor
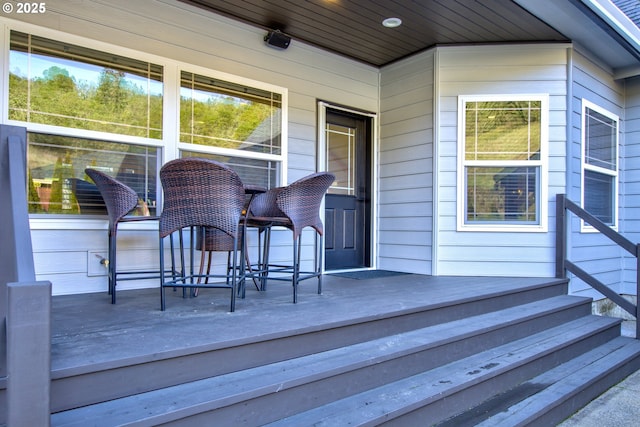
(88,330)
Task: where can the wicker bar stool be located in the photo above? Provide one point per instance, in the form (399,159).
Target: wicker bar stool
(295,207)
(120,200)
(200,195)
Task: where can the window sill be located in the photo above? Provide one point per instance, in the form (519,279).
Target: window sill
(503,228)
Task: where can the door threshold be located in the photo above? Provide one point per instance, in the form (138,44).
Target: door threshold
(348,270)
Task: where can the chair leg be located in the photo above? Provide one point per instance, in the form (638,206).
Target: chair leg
(112,264)
(182,262)
(192,256)
(247,261)
(242,268)
(234,273)
(174,270)
(209,259)
(162,294)
(296,266)
(318,270)
(201,271)
(173,259)
(264,263)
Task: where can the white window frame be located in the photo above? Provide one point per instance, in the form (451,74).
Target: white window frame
(168,146)
(585,227)
(542,164)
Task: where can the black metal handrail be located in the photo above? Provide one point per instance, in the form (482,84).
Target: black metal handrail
(563,264)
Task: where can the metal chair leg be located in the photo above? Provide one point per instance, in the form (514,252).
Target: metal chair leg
(162,294)
(297,246)
(112,272)
(318,270)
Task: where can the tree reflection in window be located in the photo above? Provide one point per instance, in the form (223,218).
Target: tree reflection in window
(223,114)
(61,84)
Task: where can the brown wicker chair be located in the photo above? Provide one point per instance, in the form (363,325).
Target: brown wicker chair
(120,200)
(201,195)
(295,207)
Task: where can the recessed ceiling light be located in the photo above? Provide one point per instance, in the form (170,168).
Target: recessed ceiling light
(392,22)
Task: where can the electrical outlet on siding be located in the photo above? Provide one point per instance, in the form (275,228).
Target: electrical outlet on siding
(97,263)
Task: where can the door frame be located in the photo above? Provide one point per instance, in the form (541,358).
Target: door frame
(323,106)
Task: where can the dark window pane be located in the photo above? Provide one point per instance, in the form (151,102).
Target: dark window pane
(56,167)
(600,140)
(599,196)
(502,194)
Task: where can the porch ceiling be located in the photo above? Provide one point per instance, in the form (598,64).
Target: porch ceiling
(353,28)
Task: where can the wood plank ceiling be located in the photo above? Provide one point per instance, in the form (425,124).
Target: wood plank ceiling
(353,28)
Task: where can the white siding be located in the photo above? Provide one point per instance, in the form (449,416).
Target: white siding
(489,70)
(179,32)
(592,251)
(406,165)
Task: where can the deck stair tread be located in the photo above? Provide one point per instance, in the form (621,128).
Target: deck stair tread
(381,404)
(183,400)
(568,381)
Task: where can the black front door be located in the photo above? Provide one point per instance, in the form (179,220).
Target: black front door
(348,141)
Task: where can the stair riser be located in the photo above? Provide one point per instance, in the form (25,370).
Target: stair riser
(80,390)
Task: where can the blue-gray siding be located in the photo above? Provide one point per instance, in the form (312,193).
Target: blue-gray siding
(592,251)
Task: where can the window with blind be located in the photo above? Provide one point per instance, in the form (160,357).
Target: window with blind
(85,107)
(502,162)
(600,163)
(70,98)
(62,84)
(233,123)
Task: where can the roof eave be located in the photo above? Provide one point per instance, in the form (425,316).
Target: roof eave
(596,24)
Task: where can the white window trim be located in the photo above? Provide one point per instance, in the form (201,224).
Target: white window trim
(168,145)
(585,227)
(543,163)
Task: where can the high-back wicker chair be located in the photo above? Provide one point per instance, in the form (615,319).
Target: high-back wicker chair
(295,207)
(202,194)
(120,201)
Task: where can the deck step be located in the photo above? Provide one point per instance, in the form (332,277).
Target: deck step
(548,332)
(567,388)
(281,333)
(437,395)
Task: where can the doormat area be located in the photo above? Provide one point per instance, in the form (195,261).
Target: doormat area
(368,274)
